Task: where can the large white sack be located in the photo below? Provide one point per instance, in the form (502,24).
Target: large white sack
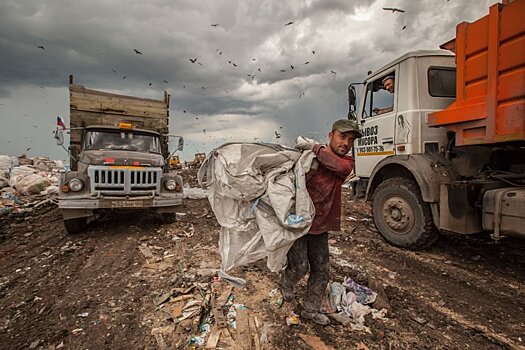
(32,184)
(19,173)
(259,197)
(7,163)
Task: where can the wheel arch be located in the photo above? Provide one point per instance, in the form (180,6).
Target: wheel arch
(428,171)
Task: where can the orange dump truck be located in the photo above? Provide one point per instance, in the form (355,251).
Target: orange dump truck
(444,151)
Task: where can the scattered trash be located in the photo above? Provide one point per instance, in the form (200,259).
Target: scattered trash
(264,333)
(195,193)
(420,320)
(293,319)
(22,183)
(77,330)
(84,314)
(364,294)
(235,281)
(276,298)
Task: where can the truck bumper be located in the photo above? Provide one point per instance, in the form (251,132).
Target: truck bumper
(119,202)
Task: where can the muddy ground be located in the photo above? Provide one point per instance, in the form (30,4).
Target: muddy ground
(97,290)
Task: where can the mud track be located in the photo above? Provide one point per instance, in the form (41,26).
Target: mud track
(96,290)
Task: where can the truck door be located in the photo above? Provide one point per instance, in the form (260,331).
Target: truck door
(377,116)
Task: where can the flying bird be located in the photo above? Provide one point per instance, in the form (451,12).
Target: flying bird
(233,63)
(203,131)
(283,70)
(313,52)
(203,88)
(41,47)
(114,71)
(28,149)
(306,62)
(289,23)
(200,63)
(149,84)
(333,72)
(193,60)
(277,135)
(215,25)
(137,52)
(291,66)
(183,111)
(404,27)
(259,69)
(165,81)
(124,77)
(393,9)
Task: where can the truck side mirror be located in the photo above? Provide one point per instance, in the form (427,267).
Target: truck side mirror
(179,141)
(352,103)
(59,137)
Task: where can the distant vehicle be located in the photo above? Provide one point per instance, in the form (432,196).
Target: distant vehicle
(119,151)
(197,161)
(443,148)
(174,163)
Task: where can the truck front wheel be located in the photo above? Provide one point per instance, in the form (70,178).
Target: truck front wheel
(401,215)
(75,225)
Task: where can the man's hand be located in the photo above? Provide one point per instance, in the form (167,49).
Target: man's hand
(304,143)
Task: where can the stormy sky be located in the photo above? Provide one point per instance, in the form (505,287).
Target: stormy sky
(241,87)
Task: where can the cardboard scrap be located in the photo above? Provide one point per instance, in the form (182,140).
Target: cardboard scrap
(315,342)
(144,249)
(244,338)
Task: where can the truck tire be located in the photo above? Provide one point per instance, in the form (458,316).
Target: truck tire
(75,225)
(401,215)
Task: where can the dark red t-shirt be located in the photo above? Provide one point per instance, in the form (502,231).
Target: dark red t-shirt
(324,186)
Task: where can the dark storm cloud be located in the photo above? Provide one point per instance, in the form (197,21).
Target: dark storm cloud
(95,41)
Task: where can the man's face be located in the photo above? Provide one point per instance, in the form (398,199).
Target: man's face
(389,85)
(341,142)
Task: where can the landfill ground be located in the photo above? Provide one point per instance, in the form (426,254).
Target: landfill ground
(98,290)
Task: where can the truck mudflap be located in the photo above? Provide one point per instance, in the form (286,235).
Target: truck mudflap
(119,202)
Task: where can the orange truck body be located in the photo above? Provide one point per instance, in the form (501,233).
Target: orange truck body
(490,78)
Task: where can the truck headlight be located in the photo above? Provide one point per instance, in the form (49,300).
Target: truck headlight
(75,185)
(170,185)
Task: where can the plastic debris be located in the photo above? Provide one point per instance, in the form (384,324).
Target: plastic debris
(293,319)
(195,193)
(364,294)
(276,298)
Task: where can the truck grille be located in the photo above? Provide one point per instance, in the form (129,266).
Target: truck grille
(132,182)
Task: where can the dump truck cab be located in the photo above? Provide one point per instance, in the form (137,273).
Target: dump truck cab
(424,82)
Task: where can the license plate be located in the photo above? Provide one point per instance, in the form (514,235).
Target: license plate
(127,204)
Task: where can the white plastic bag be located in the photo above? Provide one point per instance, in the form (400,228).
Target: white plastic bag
(258,195)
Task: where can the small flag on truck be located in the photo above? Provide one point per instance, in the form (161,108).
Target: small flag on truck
(60,123)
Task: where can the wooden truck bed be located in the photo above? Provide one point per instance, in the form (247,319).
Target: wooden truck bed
(92,107)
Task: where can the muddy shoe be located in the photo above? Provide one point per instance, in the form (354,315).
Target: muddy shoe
(316,317)
(287,293)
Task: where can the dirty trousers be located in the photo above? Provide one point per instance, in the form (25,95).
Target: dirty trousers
(309,252)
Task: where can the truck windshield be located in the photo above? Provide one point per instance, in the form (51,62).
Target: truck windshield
(121,140)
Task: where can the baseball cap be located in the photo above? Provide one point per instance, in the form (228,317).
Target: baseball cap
(386,78)
(345,125)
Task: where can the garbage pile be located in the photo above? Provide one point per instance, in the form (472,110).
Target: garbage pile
(206,315)
(348,303)
(27,182)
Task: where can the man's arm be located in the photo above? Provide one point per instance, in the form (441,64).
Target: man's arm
(341,166)
(382,110)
